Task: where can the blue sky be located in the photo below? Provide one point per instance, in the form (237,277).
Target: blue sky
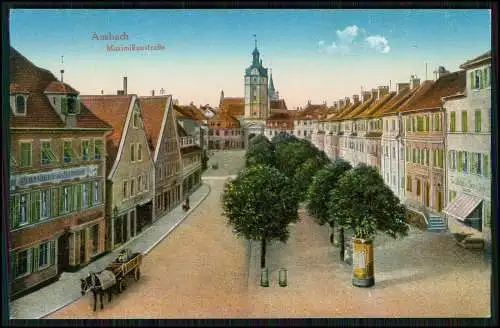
(317,55)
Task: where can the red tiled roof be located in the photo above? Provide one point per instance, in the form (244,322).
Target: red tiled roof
(360,109)
(16,88)
(376,106)
(191,112)
(59,87)
(235,106)
(392,105)
(27,77)
(312,112)
(277,104)
(112,110)
(222,116)
(153,110)
(430,97)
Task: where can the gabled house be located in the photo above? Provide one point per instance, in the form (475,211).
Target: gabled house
(191,155)
(164,144)
(130,169)
(57,177)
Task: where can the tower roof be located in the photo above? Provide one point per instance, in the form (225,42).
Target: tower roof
(271,83)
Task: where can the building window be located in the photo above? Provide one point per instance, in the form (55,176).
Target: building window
(125,194)
(23,209)
(422,156)
(132,191)
(145,183)
(426,123)
(418,187)
(452,158)
(420,124)
(139,152)
(475,163)
(464,121)
(96,193)
(67,151)
(139,183)
(47,156)
(44,203)
(85,195)
(66,199)
(23,258)
(20,105)
(25,154)
(85,150)
(486,165)
(414,156)
(43,255)
(135,120)
(477,121)
(71,105)
(452,121)
(408,183)
(97,149)
(132,153)
(94,233)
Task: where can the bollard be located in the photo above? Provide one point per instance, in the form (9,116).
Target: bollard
(282,277)
(264,278)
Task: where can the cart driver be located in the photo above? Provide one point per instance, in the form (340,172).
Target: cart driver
(122,258)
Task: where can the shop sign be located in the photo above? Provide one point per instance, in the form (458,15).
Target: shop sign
(54,176)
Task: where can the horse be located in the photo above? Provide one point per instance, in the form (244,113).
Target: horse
(93,282)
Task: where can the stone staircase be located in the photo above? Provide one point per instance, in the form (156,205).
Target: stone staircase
(436,223)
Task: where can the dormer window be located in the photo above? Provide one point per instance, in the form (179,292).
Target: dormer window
(20,105)
(69,105)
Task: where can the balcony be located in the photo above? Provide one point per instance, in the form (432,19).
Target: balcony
(188,141)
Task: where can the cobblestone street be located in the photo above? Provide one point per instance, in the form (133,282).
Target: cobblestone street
(203,271)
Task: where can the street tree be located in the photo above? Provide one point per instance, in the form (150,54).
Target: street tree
(283,137)
(260,151)
(363,203)
(289,156)
(318,194)
(260,203)
(305,172)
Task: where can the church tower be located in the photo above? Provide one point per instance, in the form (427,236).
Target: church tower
(256,89)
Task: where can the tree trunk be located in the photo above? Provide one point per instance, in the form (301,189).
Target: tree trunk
(263,253)
(332,232)
(342,248)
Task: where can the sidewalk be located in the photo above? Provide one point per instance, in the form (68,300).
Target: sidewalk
(66,290)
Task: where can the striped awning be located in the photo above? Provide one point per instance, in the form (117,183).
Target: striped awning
(462,206)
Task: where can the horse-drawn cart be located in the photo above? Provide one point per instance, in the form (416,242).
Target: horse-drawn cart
(126,264)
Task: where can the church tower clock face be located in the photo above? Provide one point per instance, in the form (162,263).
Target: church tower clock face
(255,71)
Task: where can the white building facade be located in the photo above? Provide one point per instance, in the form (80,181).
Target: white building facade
(468,142)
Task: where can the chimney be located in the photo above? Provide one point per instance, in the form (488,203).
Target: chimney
(440,72)
(355,98)
(414,82)
(401,86)
(62,75)
(365,95)
(341,103)
(119,92)
(374,93)
(152,93)
(125,85)
(382,91)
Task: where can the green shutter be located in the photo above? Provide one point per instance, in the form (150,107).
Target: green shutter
(485,78)
(459,164)
(486,165)
(471,78)
(15,214)
(477,121)
(91,149)
(35,257)
(52,246)
(61,200)
(79,193)
(53,202)
(31,207)
(36,214)
(64,105)
(91,194)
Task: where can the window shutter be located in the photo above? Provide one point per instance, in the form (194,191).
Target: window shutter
(486,165)
(484,79)
(35,258)
(64,105)
(91,149)
(472,80)
(61,200)
(91,194)
(15,213)
(53,202)
(37,200)
(459,164)
(101,188)
(52,251)
(79,189)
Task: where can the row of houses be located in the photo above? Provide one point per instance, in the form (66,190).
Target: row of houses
(430,141)
(88,173)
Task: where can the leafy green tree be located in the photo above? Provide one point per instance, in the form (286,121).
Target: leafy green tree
(260,151)
(260,204)
(289,156)
(317,199)
(283,137)
(305,173)
(363,203)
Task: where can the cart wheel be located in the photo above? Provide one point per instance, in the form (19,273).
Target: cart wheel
(137,273)
(121,285)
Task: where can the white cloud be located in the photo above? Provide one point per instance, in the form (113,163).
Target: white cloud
(378,43)
(347,35)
